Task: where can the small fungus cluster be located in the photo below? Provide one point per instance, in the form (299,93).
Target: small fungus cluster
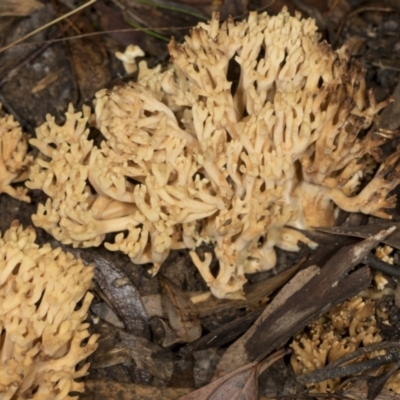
(14,161)
(41,331)
(191,155)
(347,327)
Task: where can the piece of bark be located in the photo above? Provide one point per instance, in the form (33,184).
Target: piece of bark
(366,231)
(224,334)
(253,293)
(125,299)
(236,355)
(389,118)
(332,286)
(294,306)
(302,308)
(103,311)
(144,354)
(348,370)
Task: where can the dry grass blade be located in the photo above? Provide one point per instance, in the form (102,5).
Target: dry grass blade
(18,8)
(45,26)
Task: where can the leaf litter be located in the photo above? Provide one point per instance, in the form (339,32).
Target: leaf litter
(247,334)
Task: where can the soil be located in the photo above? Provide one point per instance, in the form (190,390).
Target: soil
(73,59)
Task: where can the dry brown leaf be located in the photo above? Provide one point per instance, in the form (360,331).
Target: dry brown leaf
(239,384)
(18,8)
(103,311)
(182,314)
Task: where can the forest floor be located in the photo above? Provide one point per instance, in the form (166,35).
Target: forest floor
(144,351)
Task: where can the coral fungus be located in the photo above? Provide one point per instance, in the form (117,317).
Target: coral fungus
(41,331)
(190,155)
(14,160)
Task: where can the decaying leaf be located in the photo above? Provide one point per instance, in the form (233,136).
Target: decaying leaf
(125,299)
(144,354)
(103,311)
(238,384)
(153,304)
(182,314)
(359,390)
(163,334)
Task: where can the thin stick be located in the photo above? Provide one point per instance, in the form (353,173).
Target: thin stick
(47,25)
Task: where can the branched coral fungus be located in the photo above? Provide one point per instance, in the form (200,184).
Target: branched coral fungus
(41,331)
(347,327)
(192,156)
(14,161)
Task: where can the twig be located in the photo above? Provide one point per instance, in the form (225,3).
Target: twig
(364,350)
(329,396)
(376,383)
(382,266)
(353,369)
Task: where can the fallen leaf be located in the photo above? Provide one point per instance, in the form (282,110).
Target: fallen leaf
(165,335)
(144,354)
(125,299)
(239,384)
(103,311)
(182,314)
